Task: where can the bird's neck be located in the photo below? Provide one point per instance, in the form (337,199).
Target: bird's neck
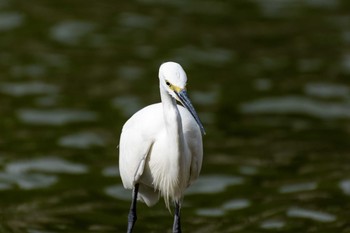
(173,122)
(175,157)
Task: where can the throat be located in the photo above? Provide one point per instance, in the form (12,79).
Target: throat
(172,117)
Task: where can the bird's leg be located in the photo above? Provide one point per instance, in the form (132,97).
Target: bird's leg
(132,213)
(177,223)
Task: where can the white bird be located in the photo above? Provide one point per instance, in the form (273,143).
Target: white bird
(161,146)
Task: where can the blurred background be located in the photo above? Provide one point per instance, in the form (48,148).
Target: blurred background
(269,79)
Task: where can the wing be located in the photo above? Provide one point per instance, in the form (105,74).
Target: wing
(136,140)
(133,151)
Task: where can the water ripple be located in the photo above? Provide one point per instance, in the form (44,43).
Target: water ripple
(31,88)
(27,181)
(212,56)
(300,105)
(310,214)
(213,184)
(291,188)
(10,20)
(119,192)
(276,8)
(31,70)
(55,117)
(248,170)
(4,186)
(327,90)
(19,173)
(38,231)
(272,224)
(45,164)
(210,212)
(71,32)
(346,63)
(83,140)
(236,204)
(345,186)
(327,4)
(112,171)
(137,21)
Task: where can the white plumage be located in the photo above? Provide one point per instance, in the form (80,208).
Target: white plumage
(161,145)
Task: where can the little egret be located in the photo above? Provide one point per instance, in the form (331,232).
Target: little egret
(160,149)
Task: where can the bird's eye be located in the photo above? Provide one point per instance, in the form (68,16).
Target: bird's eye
(167,83)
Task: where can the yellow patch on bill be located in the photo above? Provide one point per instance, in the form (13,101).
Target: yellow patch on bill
(175,88)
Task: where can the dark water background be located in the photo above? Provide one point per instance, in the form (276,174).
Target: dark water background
(269,79)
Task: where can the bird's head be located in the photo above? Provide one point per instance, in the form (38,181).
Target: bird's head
(173,79)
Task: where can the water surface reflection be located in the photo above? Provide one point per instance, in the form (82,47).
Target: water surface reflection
(269,80)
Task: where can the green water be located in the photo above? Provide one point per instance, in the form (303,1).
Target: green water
(269,79)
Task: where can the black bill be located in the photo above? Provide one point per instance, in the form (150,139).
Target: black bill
(186,102)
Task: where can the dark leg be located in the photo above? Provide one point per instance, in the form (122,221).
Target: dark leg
(132,213)
(177,224)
